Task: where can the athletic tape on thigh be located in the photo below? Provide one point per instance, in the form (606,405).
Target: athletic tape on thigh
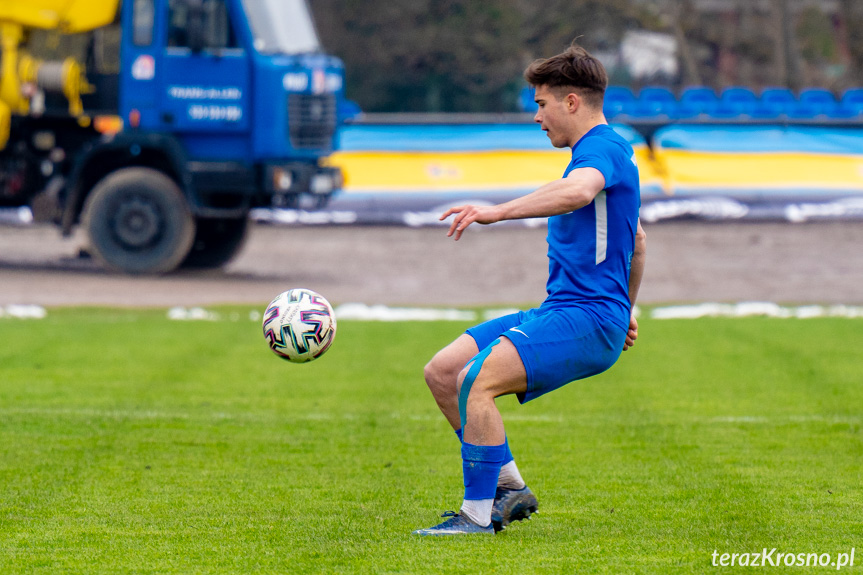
(467,383)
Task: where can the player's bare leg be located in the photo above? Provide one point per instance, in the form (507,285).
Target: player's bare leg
(441,375)
(496,371)
(502,373)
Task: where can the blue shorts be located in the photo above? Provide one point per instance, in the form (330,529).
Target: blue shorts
(556,346)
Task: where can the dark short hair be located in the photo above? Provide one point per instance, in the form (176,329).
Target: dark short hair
(573,70)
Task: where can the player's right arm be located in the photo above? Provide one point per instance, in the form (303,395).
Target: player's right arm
(561,196)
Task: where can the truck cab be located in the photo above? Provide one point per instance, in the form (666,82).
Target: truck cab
(242,84)
(218,107)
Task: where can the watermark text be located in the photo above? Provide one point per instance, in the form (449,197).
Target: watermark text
(775,558)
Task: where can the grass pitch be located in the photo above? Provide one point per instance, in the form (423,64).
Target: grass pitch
(134,444)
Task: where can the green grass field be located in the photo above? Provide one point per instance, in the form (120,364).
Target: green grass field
(134,444)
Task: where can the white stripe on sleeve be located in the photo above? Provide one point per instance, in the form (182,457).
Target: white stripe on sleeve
(601,226)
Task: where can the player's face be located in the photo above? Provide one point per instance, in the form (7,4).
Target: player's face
(553,115)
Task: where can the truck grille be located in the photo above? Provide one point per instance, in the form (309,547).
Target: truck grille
(312,120)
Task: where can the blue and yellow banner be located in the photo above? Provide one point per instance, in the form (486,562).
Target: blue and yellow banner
(458,159)
(757,162)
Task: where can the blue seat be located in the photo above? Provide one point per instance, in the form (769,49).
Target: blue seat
(619,101)
(735,102)
(697,101)
(655,101)
(348,110)
(840,112)
(815,102)
(852,102)
(817,96)
(526,101)
(774,103)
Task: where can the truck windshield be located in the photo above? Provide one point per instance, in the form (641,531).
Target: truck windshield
(282,26)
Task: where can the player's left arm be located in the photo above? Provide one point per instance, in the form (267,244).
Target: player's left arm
(636,271)
(561,196)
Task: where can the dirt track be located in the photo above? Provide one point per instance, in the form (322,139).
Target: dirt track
(687,262)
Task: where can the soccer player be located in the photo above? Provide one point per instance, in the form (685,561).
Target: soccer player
(596,251)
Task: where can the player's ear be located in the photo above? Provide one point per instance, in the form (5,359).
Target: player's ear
(573,101)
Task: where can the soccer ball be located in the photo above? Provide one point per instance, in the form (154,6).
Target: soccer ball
(299,325)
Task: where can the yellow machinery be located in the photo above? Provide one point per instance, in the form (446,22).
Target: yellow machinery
(22,75)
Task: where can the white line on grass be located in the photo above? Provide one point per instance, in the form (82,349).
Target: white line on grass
(593,421)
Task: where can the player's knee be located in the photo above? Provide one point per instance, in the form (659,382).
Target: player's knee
(438,377)
(431,374)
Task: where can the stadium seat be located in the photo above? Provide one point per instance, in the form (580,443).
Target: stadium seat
(735,101)
(840,112)
(526,101)
(697,101)
(619,101)
(348,110)
(774,103)
(815,102)
(852,102)
(655,101)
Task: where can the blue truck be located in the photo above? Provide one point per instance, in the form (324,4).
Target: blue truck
(157,125)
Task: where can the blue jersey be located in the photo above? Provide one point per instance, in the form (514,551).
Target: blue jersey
(590,249)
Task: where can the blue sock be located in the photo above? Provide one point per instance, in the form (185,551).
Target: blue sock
(507,456)
(481,465)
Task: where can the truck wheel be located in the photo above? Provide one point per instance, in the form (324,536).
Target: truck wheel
(216,242)
(138,222)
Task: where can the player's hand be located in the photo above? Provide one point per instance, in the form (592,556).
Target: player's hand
(466,215)
(632,334)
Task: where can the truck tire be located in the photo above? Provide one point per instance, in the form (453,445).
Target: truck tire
(216,242)
(138,222)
